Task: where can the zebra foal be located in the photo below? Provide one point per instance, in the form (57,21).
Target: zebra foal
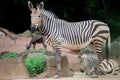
(72,35)
(37,39)
(89,59)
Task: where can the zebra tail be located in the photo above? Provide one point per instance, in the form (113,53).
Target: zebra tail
(107,48)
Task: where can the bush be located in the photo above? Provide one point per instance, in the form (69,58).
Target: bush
(9,55)
(35,65)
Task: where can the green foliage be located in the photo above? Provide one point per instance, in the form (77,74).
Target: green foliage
(114,25)
(1,16)
(44,1)
(95,8)
(74,10)
(35,65)
(91,6)
(21,1)
(9,55)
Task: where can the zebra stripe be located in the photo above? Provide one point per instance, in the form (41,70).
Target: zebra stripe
(71,35)
(110,66)
(89,59)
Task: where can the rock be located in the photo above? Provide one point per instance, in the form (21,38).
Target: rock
(37,33)
(27,33)
(115,48)
(31,55)
(75,66)
(13,69)
(51,67)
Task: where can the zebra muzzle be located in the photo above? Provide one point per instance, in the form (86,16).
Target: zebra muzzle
(33,29)
(81,70)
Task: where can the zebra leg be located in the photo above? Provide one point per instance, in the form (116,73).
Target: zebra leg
(28,46)
(34,44)
(45,47)
(88,71)
(57,52)
(99,50)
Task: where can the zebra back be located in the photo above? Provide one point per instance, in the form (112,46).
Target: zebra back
(110,66)
(49,13)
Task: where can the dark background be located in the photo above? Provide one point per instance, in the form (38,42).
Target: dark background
(15,15)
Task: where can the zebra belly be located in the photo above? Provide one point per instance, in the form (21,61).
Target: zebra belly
(75,46)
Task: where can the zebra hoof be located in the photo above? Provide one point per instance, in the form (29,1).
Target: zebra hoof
(88,73)
(94,76)
(56,76)
(114,74)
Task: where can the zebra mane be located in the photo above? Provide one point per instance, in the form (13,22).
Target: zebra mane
(89,53)
(49,13)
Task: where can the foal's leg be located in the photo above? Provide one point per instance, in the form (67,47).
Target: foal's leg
(34,44)
(97,46)
(28,45)
(45,47)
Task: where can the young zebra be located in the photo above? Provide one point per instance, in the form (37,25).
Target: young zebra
(37,39)
(110,67)
(89,60)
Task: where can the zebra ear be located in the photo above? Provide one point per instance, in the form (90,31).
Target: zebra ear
(80,58)
(41,6)
(30,5)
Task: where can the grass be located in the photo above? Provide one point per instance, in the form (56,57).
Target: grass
(35,65)
(9,55)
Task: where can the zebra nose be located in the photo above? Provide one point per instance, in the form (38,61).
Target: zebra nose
(82,70)
(33,29)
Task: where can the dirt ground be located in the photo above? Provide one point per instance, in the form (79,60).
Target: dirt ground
(20,46)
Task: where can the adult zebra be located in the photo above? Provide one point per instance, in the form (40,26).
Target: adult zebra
(71,35)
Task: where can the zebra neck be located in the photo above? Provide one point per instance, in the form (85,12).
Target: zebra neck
(47,27)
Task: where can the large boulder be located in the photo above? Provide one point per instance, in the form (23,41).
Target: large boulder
(26,33)
(13,69)
(32,55)
(51,67)
(115,50)
(50,64)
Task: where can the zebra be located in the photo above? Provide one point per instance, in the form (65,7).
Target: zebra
(110,67)
(37,39)
(72,35)
(89,59)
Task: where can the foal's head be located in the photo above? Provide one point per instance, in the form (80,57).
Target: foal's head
(35,15)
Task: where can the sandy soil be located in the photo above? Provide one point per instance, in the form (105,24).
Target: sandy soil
(20,46)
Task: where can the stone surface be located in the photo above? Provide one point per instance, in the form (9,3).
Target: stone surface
(31,55)
(13,69)
(115,50)
(51,68)
(20,46)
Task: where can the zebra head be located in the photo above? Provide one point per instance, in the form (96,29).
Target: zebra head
(82,67)
(35,15)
